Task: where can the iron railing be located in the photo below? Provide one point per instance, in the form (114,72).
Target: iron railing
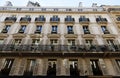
(59,48)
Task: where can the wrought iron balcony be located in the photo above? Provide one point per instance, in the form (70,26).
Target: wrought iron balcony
(37,32)
(21,31)
(84,20)
(40,20)
(101,20)
(54,20)
(25,19)
(87,32)
(69,20)
(106,32)
(70,32)
(10,19)
(59,48)
(4,31)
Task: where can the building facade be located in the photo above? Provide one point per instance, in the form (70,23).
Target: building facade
(47,41)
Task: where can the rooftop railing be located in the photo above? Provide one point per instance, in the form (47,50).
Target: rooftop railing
(34,9)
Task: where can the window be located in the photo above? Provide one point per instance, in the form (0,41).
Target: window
(54,30)
(70,29)
(118,18)
(51,71)
(118,62)
(83,18)
(7,66)
(73,63)
(110,41)
(30,64)
(86,30)
(54,41)
(35,41)
(95,67)
(69,18)
(8,63)
(38,29)
(22,29)
(5,30)
(104,29)
(89,42)
(17,41)
(71,41)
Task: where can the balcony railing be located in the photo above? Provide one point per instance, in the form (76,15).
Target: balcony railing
(10,19)
(40,19)
(59,48)
(101,20)
(25,19)
(4,31)
(84,20)
(54,20)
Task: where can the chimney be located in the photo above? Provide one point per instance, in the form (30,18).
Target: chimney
(8,3)
(94,5)
(80,4)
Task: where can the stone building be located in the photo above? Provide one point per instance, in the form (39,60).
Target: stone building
(41,41)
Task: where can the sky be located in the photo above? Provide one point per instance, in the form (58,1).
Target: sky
(69,3)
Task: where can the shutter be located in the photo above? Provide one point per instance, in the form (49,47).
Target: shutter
(103,66)
(38,67)
(58,70)
(14,67)
(80,67)
(45,63)
(22,66)
(115,66)
(2,60)
(89,68)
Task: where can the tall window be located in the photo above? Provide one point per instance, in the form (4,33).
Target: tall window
(41,18)
(89,42)
(38,29)
(55,18)
(86,30)
(7,66)
(95,67)
(17,41)
(71,41)
(118,62)
(8,63)
(51,71)
(22,29)
(54,30)
(35,41)
(5,30)
(70,29)
(104,29)
(74,67)
(30,65)
(54,41)
(118,18)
